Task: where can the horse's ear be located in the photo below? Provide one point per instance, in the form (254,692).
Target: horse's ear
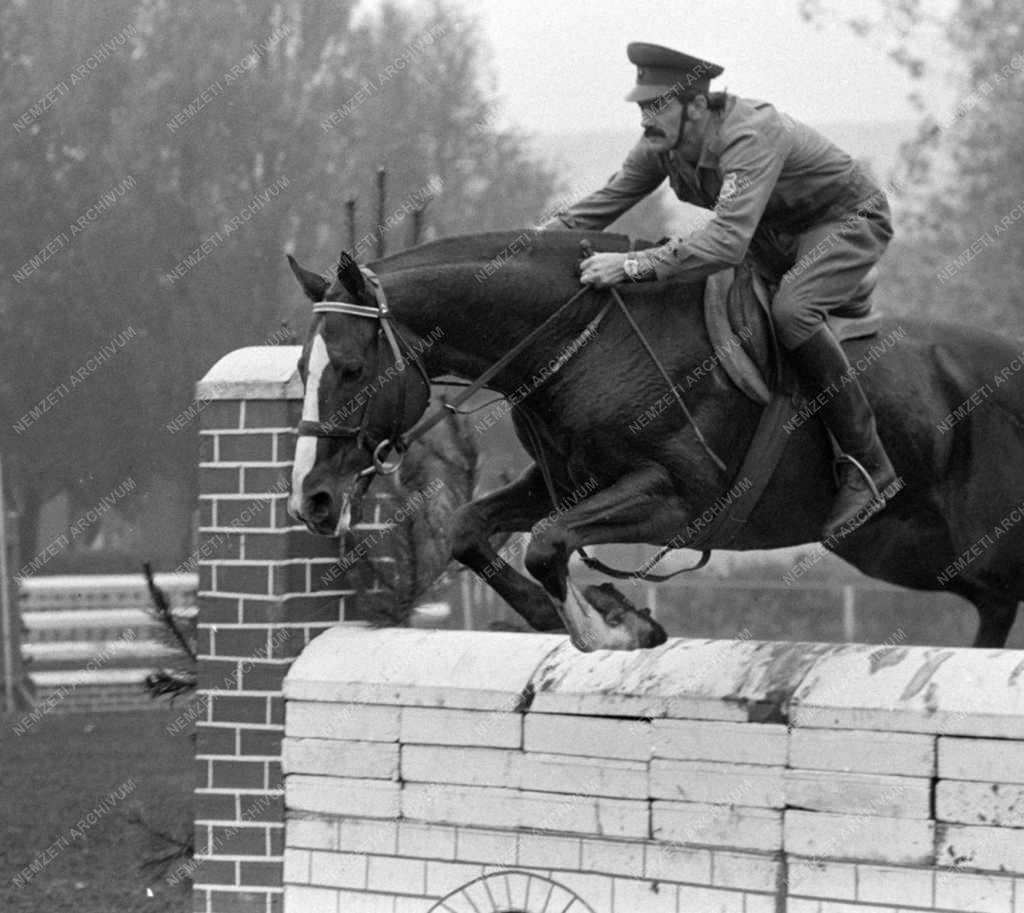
(350,275)
(313,284)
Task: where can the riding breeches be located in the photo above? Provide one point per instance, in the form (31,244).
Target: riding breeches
(831,259)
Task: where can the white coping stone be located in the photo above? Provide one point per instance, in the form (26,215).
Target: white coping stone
(255,372)
(915,689)
(684,679)
(462,669)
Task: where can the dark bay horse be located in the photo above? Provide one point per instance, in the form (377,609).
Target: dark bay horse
(627,465)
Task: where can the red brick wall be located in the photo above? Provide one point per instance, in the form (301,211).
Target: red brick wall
(261,600)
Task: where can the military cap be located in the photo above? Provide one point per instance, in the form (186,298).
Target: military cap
(661,70)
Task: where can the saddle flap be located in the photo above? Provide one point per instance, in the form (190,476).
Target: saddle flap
(743,352)
(737,308)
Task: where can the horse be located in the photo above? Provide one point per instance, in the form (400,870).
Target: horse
(620,458)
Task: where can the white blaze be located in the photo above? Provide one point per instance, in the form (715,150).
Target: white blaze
(305,446)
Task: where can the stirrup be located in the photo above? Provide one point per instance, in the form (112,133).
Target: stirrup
(859,466)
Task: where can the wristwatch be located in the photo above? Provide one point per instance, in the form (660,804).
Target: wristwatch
(631,266)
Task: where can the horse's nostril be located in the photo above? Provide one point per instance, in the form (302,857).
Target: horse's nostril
(319,505)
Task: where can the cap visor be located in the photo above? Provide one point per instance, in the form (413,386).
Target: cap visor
(648,93)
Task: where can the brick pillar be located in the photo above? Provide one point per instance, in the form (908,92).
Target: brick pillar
(266,588)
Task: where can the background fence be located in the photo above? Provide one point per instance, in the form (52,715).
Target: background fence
(88,641)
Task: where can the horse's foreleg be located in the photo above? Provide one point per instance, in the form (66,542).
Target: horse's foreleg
(639,507)
(514,508)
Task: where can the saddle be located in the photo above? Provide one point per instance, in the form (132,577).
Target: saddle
(737,312)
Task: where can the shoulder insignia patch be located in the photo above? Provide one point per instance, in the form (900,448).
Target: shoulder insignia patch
(730,186)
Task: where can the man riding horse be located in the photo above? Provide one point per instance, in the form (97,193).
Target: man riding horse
(803,208)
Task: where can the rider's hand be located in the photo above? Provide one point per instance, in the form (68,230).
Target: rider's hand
(603,270)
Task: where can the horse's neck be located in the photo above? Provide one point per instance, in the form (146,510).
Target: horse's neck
(470,323)
(471,319)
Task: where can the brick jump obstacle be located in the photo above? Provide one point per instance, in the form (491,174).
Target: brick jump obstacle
(460,772)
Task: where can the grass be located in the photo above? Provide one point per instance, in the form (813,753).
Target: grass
(72,786)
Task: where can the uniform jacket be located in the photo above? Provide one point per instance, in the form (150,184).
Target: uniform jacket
(767,177)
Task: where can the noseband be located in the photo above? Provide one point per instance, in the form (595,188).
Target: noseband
(395,440)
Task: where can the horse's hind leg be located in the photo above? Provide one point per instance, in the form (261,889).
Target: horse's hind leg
(995,620)
(996,613)
(919,555)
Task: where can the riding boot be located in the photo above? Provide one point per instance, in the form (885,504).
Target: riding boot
(863,470)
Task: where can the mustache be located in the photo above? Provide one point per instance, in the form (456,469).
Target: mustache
(654,131)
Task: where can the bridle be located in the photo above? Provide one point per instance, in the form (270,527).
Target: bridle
(361,433)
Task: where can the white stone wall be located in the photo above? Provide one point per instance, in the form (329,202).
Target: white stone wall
(476,772)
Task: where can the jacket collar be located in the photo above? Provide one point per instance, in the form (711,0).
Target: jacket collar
(711,147)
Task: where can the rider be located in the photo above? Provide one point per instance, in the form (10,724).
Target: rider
(801,205)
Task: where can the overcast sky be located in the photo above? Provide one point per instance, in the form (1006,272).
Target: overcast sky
(561,64)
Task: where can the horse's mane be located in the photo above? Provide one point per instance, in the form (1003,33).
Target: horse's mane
(483,247)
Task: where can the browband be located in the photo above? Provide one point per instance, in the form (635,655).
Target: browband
(343,307)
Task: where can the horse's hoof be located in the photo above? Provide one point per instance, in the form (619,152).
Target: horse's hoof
(641,630)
